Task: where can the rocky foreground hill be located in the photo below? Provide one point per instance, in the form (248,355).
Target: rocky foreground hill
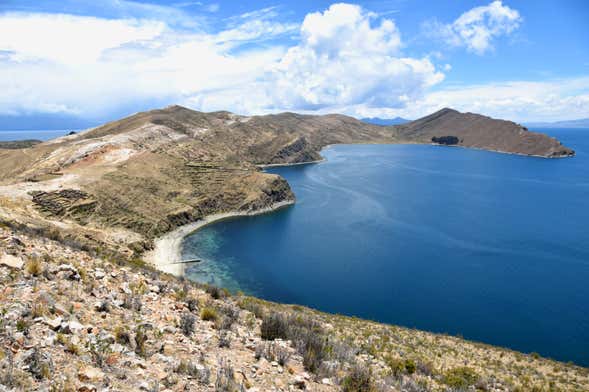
(81,311)
(73,320)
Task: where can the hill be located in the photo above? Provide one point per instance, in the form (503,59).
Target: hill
(73,320)
(127,182)
(82,311)
(482,132)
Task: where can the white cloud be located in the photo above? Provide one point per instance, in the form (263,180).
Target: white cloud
(67,39)
(522,101)
(89,65)
(477,28)
(345,59)
(347,56)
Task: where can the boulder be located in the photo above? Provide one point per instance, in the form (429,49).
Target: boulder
(87,388)
(69,271)
(54,324)
(90,374)
(72,327)
(11,261)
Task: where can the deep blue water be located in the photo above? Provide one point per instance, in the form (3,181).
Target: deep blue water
(38,135)
(489,246)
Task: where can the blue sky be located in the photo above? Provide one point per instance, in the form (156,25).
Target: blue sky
(75,63)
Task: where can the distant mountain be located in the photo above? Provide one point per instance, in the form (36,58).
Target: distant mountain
(385,121)
(580,123)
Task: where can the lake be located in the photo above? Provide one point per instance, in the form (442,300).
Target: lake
(36,135)
(492,247)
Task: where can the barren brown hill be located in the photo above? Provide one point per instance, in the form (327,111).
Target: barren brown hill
(129,181)
(476,131)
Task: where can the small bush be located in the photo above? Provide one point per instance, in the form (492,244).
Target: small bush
(199,372)
(272,351)
(39,364)
(22,326)
(208,314)
(358,379)
(122,336)
(461,377)
(187,324)
(72,348)
(253,306)
(410,366)
(140,340)
(39,310)
(313,345)
(132,302)
(192,304)
(34,267)
(282,355)
(274,326)
(224,339)
(216,292)
(226,378)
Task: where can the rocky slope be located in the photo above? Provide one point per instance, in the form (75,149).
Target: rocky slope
(81,312)
(75,321)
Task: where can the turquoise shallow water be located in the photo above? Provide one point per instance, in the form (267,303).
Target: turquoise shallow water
(493,247)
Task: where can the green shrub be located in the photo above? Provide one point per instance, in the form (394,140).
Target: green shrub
(140,340)
(274,326)
(358,379)
(209,314)
(252,305)
(216,292)
(22,326)
(410,366)
(34,267)
(461,377)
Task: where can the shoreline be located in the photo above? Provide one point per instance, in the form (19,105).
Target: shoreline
(166,253)
(167,248)
(265,166)
(500,151)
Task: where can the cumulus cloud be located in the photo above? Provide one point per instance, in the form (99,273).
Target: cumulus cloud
(347,57)
(80,64)
(89,66)
(477,28)
(344,59)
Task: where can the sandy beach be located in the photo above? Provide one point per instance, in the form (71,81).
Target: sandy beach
(166,255)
